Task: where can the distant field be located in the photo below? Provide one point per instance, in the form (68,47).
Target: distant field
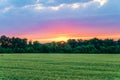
(59,67)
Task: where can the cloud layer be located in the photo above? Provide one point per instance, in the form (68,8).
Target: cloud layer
(7,5)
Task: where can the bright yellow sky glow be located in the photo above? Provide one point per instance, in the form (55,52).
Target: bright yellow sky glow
(65,37)
(59,38)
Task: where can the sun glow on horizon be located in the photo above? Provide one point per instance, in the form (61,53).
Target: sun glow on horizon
(56,39)
(64,37)
(61,38)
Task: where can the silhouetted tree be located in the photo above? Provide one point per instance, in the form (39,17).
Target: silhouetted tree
(95,45)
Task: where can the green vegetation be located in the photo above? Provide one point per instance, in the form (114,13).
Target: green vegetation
(17,45)
(59,67)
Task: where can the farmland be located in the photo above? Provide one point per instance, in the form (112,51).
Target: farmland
(59,67)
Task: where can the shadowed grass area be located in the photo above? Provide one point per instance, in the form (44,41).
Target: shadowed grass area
(59,67)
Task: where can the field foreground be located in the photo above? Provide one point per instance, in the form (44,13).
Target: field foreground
(59,67)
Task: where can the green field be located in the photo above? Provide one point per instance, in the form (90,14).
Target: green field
(59,67)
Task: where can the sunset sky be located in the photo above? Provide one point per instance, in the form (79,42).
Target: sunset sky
(55,20)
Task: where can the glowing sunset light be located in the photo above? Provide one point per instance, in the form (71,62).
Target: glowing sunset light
(61,38)
(64,37)
(56,20)
(57,39)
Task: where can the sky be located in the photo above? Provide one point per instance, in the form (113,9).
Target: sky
(55,20)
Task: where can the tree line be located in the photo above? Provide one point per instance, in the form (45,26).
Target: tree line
(95,45)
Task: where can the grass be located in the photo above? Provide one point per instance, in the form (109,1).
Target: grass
(59,67)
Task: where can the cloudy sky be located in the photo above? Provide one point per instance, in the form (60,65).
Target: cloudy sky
(48,20)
